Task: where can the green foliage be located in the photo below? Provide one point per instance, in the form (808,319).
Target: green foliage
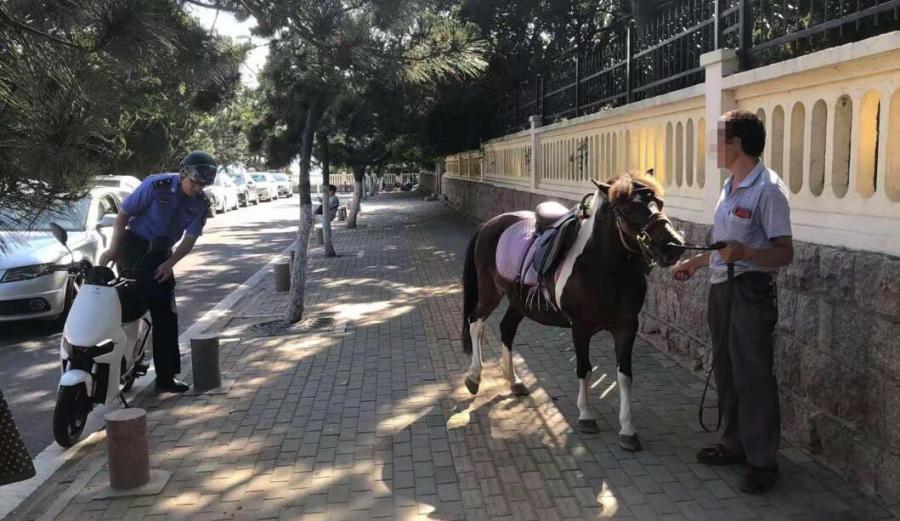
(225,133)
(364,68)
(100,87)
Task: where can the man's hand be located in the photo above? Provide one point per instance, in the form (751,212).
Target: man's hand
(735,251)
(108,256)
(163,272)
(685,269)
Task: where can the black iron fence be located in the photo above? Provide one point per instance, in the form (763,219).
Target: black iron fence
(662,55)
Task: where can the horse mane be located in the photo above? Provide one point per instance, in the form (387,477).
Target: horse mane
(622,186)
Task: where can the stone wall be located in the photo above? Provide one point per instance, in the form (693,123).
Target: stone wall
(837,342)
(483,201)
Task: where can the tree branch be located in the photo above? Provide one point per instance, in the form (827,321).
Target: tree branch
(216,5)
(15,23)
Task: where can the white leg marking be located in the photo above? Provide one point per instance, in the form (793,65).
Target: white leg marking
(584,235)
(509,368)
(475,330)
(625,404)
(585,411)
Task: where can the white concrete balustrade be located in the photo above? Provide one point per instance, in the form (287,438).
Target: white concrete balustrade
(833,133)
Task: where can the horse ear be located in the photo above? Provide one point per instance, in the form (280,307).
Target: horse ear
(603,187)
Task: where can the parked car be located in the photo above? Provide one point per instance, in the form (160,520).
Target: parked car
(222,193)
(284,185)
(246,188)
(27,289)
(267,189)
(126,182)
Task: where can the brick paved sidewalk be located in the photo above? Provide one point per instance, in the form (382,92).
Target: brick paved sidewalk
(369,419)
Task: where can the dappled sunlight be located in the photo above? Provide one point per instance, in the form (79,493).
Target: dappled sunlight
(371,313)
(407,411)
(497,414)
(607,499)
(406,289)
(509,416)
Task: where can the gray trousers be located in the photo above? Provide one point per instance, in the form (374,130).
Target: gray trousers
(747,389)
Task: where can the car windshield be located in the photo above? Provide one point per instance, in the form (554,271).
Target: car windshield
(281,177)
(72,217)
(238,179)
(260,178)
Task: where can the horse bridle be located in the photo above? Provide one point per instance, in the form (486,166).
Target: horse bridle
(642,238)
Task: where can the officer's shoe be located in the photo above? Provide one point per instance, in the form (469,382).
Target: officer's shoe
(171,385)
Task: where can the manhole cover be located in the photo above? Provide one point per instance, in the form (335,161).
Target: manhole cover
(279,328)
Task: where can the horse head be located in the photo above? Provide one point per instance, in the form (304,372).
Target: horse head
(637,206)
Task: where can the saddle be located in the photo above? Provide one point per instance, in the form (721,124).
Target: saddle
(530,250)
(556,227)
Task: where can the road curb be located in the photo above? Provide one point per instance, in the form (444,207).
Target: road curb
(53,457)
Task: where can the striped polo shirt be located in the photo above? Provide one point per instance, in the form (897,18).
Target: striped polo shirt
(754,214)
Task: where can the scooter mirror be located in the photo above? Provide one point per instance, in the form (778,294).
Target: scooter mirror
(59,233)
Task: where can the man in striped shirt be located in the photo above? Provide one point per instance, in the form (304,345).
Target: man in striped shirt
(753,217)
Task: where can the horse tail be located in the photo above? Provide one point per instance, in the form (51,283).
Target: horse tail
(470,293)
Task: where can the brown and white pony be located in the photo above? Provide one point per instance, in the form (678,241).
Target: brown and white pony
(598,285)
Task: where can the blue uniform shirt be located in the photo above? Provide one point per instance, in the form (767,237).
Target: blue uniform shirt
(158,207)
(754,214)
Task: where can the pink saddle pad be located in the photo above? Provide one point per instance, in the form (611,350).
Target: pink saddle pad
(515,251)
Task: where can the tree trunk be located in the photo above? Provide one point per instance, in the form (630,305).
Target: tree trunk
(294,312)
(358,193)
(326,197)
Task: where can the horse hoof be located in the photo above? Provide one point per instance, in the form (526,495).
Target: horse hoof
(588,426)
(630,443)
(471,385)
(519,389)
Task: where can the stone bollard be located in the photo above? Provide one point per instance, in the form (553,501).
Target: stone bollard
(342,214)
(320,236)
(282,276)
(127,448)
(205,363)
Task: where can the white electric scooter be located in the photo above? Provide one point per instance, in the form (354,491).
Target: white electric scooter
(105,338)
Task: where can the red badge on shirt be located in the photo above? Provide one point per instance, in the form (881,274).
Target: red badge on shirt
(743,213)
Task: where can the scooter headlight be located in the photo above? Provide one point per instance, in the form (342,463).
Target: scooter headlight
(87,352)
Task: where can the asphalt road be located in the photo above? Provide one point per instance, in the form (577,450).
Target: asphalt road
(233,247)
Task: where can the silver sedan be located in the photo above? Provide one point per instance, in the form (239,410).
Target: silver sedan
(28,290)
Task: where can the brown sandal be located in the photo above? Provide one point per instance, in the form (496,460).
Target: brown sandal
(718,455)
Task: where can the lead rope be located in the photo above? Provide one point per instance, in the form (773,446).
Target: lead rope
(723,342)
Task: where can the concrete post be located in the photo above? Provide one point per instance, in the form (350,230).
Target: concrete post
(127,448)
(282,276)
(205,362)
(718,64)
(534,169)
(342,214)
(320,236)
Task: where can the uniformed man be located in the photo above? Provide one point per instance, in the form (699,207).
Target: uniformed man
(753,217)
(153,219)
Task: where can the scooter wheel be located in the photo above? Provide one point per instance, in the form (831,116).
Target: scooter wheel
(70,415)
